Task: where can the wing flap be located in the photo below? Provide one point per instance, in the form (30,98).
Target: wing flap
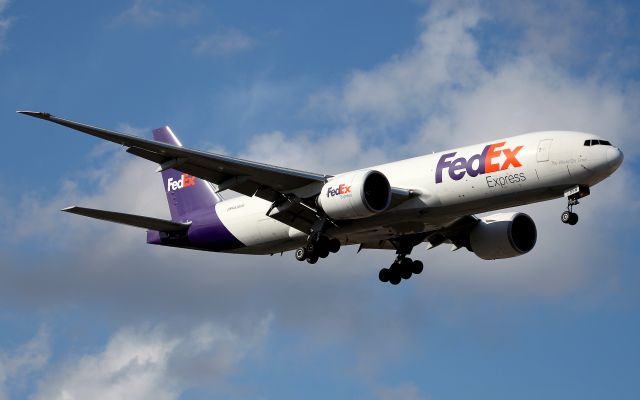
(139,221)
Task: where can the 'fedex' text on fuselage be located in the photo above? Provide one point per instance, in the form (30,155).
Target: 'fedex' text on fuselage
(478,164)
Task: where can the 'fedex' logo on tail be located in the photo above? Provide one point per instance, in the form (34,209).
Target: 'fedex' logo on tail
(478,164)
(185,180)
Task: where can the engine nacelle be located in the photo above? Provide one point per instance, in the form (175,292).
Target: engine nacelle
(355,195)
(503,235)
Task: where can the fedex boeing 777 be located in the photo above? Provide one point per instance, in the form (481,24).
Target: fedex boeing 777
(429,199)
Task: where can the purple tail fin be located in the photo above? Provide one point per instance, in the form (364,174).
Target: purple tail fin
(186,194)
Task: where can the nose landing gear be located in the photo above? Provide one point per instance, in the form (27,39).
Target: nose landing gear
(573,195)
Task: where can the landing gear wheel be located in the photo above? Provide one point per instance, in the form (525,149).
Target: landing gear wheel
(312,259)
(569,217)
(416,267)
(384,274)
(301,254)
(334,245)
(405,268)
(394,277)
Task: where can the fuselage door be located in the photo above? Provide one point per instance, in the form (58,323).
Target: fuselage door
(543,150)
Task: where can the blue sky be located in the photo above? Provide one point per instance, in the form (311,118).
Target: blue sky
(87,308)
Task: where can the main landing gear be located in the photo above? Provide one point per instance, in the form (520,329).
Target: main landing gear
(402,268)
(317,247)
(573,195)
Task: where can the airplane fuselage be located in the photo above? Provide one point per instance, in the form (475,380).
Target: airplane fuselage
(468,180)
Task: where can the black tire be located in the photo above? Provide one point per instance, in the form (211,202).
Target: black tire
(323,252)
(405,272)
(405,268)
(565,217)
(417,267)
(384,274)
(322,242)
(394,278)
(334,245)
(301,254)
(573,219)
(312,259)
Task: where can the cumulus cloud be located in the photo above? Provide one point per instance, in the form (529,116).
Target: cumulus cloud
(18,364)
(151,363)
(332,153)
(452,97)
(409,85)
(223,43)
(532,95)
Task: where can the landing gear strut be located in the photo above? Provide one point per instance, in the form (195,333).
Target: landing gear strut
(573,195)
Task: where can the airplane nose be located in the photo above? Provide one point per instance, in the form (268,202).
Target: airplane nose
(614,157)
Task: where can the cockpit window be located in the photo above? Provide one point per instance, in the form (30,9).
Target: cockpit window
(593,142)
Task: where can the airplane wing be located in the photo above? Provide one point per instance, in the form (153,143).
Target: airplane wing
(247,177)
(285,187)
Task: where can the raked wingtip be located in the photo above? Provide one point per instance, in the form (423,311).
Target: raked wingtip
(35,114)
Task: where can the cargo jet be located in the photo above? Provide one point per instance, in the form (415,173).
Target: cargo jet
(430,199)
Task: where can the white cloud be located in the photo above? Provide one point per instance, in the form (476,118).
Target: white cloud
(532,95)
(332,153)
(15,366)
(155,12)
(442,86)
(150,363)
(409,85)
(223,43)
(405,391)
(5,24)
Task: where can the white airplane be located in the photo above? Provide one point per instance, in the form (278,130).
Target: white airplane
(395,206)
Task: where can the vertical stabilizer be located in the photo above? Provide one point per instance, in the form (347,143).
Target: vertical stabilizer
(186,194)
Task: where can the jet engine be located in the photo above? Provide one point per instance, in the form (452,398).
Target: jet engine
(355,195)
(503,235)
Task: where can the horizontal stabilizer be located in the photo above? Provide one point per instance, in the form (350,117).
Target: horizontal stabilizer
(130,219)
